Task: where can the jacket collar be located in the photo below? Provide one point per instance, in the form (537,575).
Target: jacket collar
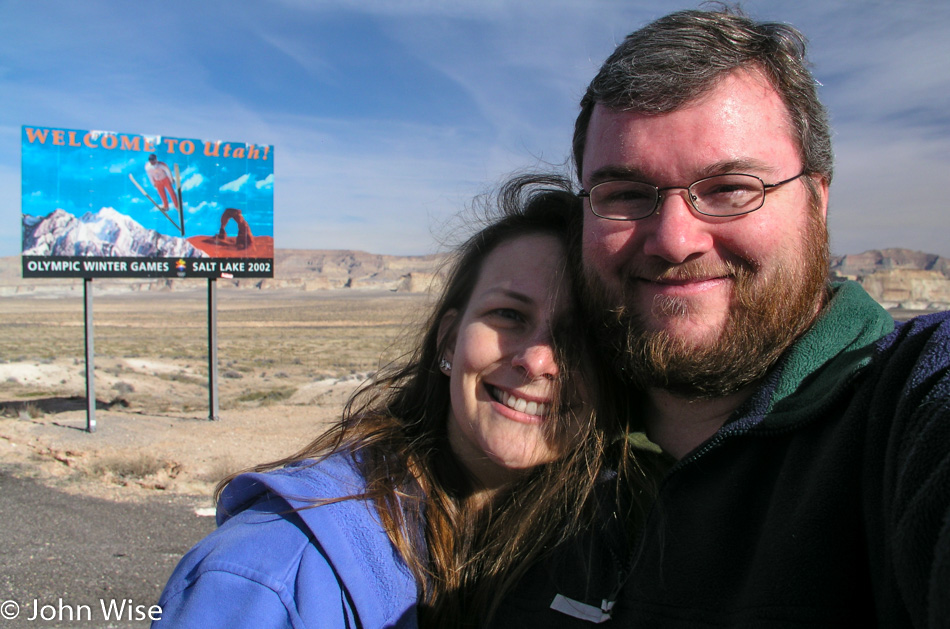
(821,364)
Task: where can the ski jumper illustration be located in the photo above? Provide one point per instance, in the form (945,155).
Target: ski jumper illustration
(161,177)
(166,184)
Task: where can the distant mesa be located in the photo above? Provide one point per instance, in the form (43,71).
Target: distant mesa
(103,233)
(899,279)
(876,260)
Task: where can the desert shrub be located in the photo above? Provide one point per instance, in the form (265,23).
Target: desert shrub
(127,467)
(181,377)
(123,388)
(268,396)
(32,410)
(219,468)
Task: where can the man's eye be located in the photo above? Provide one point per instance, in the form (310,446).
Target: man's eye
(730,190)
(626,196)
(630,195)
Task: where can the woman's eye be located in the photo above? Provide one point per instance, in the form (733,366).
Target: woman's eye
(508,313)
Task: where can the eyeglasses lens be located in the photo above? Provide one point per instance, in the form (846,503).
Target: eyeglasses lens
(721,195)
(623,200)
(728,195)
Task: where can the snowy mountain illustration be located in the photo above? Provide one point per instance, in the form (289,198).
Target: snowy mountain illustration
(105,233)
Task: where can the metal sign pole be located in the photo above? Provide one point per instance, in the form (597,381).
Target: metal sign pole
(212,349)
(90,356)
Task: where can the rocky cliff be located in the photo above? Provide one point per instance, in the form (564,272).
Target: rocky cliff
(294,269)
(899,278)
(874,261)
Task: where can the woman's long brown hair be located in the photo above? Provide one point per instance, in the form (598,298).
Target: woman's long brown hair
(472,552)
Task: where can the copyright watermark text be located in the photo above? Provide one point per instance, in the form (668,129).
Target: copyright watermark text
(107,609)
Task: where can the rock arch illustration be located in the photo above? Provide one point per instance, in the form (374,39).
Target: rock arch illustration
(245,238)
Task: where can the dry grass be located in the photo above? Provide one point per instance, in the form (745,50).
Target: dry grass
(268,396)
(127,467)
(287,362)
(269,342)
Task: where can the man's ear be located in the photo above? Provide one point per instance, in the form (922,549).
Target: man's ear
(822,184)
(448,329)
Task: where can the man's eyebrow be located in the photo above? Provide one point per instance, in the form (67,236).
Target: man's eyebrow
(633,173)
(742,166)
(611,172)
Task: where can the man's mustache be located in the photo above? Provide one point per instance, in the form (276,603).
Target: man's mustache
(692,270)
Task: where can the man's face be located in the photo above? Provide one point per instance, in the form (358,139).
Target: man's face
(690,287)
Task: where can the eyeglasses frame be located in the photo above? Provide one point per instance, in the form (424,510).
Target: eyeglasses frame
(690,196)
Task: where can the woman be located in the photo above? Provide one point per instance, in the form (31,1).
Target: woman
(447,476)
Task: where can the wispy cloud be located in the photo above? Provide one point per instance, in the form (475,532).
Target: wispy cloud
(122,167)
(394,114)
(236,185)
(203,207)
(192,182)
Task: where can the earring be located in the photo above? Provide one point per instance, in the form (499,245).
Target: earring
(445,366)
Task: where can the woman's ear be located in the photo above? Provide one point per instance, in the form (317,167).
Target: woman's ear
(447,332)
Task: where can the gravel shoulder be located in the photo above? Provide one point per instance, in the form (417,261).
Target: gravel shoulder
(95,519)
(134,455)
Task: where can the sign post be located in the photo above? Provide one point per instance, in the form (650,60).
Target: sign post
(90,356)
(212,350)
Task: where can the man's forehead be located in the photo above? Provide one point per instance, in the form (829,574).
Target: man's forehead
(741,124)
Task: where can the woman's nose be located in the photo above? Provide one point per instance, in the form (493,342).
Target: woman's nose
(537,360)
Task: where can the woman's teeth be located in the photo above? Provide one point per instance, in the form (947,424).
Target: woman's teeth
(519,404)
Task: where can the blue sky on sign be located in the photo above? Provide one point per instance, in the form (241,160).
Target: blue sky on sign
(388,116)
(82,171)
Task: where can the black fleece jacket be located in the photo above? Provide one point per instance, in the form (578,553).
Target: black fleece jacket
(823,502)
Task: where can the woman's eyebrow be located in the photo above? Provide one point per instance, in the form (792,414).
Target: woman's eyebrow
(511,294)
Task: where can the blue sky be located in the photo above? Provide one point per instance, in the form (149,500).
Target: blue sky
(388,116)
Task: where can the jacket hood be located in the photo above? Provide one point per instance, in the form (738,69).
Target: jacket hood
(363,556)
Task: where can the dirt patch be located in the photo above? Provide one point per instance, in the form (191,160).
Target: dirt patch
(286,365)
(131,454)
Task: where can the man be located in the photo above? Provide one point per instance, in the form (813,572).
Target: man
(811,437)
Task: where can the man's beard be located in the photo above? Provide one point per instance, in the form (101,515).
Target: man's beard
(766,315)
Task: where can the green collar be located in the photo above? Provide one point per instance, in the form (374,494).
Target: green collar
(829,355)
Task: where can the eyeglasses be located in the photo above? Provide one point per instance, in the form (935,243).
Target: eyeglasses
(732,194)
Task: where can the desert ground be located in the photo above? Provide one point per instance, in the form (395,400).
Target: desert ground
(287,361)
(105,516)
(90,517)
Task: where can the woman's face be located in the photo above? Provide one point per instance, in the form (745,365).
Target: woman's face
(502,380)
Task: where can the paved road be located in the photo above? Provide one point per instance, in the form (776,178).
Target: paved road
(69,551)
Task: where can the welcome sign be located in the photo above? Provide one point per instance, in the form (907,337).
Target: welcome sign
(106,204)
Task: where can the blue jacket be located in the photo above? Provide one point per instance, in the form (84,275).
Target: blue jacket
(278,561)
(823,502)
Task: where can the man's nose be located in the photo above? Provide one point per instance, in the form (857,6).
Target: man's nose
(537,360)
(675,232)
